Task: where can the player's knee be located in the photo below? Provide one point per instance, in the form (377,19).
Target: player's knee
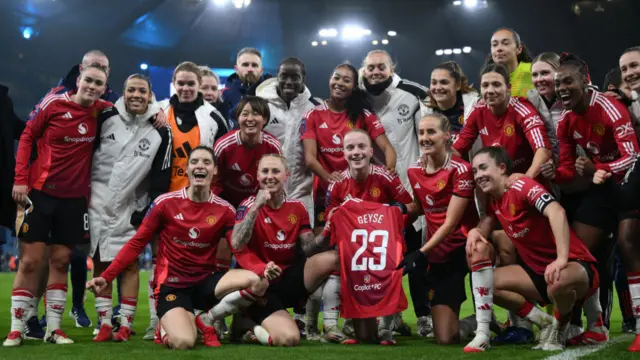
(131,270)
(447,339)
(29,264)
(182,342)
(482,251)
(258,286)
(286,338)
(60,261)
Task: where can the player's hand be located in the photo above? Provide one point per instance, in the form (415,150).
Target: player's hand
(392,170)
(160,120)
(584,166)
(19,194)
(473,238)
(410,260)
(513,178)
(553,270)
(272,271)
(96,285)
(261,198)
(601,176)
(548,170)
(327,224)
(335,176)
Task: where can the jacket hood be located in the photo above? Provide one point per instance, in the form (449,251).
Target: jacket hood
(268,90)
(152,110)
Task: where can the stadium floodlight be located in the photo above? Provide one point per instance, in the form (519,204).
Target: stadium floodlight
(351,32)
(392,33)
(385,41)
(27,32)
(448,51)
(374,42)
(314,43)
(457,51)
(220,2)
(247,3)
(330,32)
(466,49)
(324,42)
(238,4)
(366,32)
(439,52)
(457,3)
(470,3)
(144,66)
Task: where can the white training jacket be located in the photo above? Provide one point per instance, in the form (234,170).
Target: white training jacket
(285,124)
(131,166)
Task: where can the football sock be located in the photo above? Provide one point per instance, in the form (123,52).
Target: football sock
(331,298)
(229,305)
(313,307)
(482,277)
(634,289)
(55,299)
(151,297)
(104,308)
(533,314)
(127,311)
(21,305)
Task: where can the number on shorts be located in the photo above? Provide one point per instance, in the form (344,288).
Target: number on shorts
(86,222)
(360,263)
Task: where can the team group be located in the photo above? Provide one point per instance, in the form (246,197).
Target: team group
(526,185)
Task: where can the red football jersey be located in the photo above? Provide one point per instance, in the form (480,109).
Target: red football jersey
(520,131)
(520,212)
(604,131)
(65,133)
(188,241)
(238,165)
(380,186)
(434,191)
(275,235)
(370,242)
(328,128)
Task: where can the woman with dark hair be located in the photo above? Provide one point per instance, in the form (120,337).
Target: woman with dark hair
(508,50)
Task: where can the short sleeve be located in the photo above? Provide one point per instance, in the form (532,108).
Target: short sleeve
(464,185)
(305,223)
(308,126)
(534,194)
(229,222)
(373,125)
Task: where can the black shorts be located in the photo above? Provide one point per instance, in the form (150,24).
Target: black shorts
(53,220)
(200,296)
(541,284)
(446,280)
(604,206)
(290,291)
(629,190)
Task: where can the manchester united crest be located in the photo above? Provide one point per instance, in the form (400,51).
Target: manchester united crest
(292,219)
(441,184)
(598,129)
(25,228)
(321,217)
(512,209)
(211,220)
(509,130)
(374,192)
(350,124)
(461,120)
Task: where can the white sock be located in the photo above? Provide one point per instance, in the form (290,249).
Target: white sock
(530,313)
(153,316)
(262,335)
(55,299)
(593,312)
(331,298)
(104,307)
(633,278)
(313,307)
(127,311)
(385,322)
(21,306)
(519,322)
(229,305)
(482,279)
(33,310)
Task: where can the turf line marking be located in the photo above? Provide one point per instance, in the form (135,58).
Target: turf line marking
(586,350)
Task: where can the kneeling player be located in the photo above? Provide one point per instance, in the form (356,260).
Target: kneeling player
(370,243)
(271,229)
(191,222)
(555,265)
(443,186)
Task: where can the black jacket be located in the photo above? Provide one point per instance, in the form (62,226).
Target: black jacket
(11,127)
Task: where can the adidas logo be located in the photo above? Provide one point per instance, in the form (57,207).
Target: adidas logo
(179,217)
(417,186)
(576,135)
(484,131)
(67,115)
(268,220)
(111,137)
(275,121)
(236,167)
(324,126)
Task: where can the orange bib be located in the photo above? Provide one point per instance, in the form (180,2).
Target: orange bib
(183,143)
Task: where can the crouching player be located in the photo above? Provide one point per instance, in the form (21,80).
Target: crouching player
(554,264)
(370,242)
(191,222)
(272,230)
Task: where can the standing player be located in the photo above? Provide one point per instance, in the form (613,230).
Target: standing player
(326,125)
(52,193)
(271,228)
(554,267)
(239,151)
(601,125)
(365,181)
(191,223)
(370,243)
(444,188)
(130,168)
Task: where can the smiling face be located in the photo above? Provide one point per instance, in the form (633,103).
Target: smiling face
(432,138)
(201,168)
(209,89)
(342,83)
(570,86)
(504,49)
(186,84)
(290,81)
(487,174)
(272,173)
(378,68)
(630,69)
(443,88)
(251,122)
(542,74)
(357,150)
(91,84)
(137,96)
(495,90)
